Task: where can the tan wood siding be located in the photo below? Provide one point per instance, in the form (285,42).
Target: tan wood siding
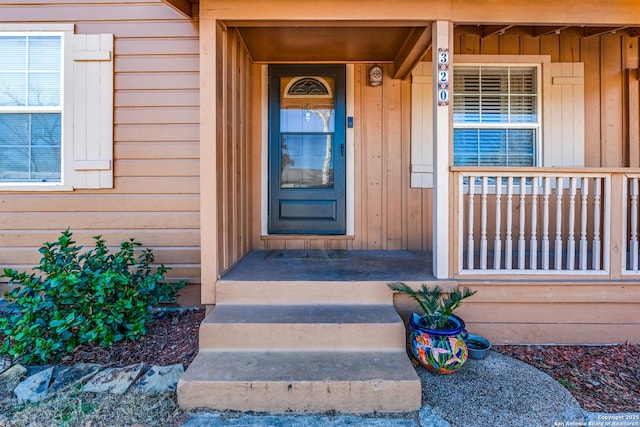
(554,312)
(156,160)
(233,150)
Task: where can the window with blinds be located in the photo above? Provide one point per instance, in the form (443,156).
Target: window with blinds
(496,114)
(30,108)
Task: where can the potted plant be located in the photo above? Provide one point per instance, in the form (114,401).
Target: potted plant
(437,337)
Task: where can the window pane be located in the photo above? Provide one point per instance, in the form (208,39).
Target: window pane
(494,80)
(465,147)
(492,147)
(44,53)
(31,147)
(494,109)
(44,89)
(12,89)
(523,80)
(521,147)
(466,108)
(14,53)
(306,161)
(524,109)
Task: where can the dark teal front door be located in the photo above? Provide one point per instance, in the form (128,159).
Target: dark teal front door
(307,149)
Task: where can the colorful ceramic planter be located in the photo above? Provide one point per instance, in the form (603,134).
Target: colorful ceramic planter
(442,351)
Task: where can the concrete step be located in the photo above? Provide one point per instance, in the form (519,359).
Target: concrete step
(302,327)
(302,292)
(301,381)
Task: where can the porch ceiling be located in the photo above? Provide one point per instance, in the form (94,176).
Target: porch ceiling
(317,42)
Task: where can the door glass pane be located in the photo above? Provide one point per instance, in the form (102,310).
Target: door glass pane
(307,126)
(306,161)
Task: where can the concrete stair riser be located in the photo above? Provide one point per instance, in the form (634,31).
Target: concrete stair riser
(302,347)
(231,292)
(301,382)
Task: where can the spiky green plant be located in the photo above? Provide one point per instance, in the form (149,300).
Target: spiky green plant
(436,304)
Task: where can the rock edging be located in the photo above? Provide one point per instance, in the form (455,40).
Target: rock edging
(38,383)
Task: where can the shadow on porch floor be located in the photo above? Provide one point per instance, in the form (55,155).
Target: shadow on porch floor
(333,265)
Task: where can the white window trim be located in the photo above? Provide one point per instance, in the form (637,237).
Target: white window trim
(65,31)
(543,63)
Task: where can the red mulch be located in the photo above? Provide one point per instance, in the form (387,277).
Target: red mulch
(601,378)
(170,339)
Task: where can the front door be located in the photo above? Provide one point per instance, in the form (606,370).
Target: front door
(307,149)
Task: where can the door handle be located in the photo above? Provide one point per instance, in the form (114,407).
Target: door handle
(342,150)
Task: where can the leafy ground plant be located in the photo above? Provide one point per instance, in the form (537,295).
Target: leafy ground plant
(80,297)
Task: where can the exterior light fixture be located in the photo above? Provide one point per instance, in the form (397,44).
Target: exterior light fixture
(375,75)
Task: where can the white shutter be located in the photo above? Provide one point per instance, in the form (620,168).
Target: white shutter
(565,143)
(422,126)
(92,111)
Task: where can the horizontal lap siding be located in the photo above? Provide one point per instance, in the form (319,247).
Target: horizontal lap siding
(155,198)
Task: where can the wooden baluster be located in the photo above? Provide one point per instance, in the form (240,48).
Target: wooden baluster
(597,201)
(470,243)
(584,191)
(521,242)
(558,247)
(533,244)
(571,243)
(633,247)
(508,244)
(483,223)
(545,222)
(497,244)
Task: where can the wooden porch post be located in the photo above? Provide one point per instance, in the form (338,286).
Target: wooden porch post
(442,51)
(209,33)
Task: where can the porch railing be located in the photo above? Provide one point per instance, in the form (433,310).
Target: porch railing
(547,221)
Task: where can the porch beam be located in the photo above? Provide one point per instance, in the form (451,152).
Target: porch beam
(442,138)
(413,49)
(600,31)
(184,7)
(491,30)
(545,31)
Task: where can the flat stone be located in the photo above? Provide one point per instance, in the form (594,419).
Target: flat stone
(34,388)
(114,380)
(10,379)
(65,377)
(160,379)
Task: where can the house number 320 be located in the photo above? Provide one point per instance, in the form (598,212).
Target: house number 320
(443,76)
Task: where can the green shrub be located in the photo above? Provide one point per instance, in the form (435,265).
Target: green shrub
(81,297)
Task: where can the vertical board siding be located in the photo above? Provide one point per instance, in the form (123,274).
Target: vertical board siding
(234,150)
(155,198)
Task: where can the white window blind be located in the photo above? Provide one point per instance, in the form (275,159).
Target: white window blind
(496,115)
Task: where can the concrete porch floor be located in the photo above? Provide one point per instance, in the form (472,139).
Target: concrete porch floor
(332,265)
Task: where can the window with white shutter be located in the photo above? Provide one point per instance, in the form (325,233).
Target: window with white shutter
(496,115)
(56,108)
